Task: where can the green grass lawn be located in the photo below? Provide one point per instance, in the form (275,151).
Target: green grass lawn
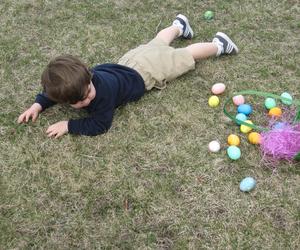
(150,182)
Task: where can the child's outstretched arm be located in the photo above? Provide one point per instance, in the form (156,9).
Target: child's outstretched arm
(32,112)
(96,124)
(41,103)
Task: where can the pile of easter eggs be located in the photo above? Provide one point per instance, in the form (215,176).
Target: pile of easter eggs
(243,112)
(242,119)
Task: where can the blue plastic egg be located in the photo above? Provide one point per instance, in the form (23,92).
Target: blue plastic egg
(245,109)
(287,96)
(247,184)
(233,152)
(279,125)
(241,117)
(270,103)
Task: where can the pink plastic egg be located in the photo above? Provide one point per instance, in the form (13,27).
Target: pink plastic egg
(238,100)
(218,88)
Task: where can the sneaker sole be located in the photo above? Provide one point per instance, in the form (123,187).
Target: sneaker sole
(221,34)
(184,18)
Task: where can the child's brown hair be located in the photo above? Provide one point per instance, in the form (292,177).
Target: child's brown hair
(66,79)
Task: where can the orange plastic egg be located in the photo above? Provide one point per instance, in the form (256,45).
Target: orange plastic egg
(254,138)
(275,112)
(233,140)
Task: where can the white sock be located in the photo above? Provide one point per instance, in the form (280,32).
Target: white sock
(179,25)
(219,46)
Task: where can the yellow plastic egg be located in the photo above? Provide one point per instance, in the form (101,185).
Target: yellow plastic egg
(254,138)
(233,140)
(275,112)
(213,101)
(246,129)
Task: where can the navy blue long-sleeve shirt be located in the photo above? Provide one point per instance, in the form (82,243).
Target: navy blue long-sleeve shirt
(115,85)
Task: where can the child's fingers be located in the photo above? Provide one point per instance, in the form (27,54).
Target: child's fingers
(52,133)
(49,131)
(24,117)
(58,135)
(21,118)
(34,117)
(27,117)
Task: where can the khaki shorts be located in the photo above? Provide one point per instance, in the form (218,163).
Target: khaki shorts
(158,63)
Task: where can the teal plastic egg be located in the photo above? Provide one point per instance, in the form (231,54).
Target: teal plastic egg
(247,184)
(242,117)
(245,109)
(233,152)
(270,103)
(287,96)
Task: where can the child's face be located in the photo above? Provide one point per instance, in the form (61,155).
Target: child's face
(90,95)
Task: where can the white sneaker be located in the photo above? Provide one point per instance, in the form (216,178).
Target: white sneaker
(182,22)
(225,45)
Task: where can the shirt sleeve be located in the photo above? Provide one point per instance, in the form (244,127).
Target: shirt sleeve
(44,101)
(97,123)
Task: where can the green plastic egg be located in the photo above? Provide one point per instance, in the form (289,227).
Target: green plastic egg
(287,96)
(270,103)
(208,15)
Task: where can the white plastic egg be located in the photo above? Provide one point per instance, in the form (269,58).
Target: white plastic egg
(214,146)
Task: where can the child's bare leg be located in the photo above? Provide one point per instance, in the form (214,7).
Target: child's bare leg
(179,28)
(202,50)
(169,34)
(220,45)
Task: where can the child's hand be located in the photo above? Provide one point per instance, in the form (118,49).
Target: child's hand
(57,129)
(32,112)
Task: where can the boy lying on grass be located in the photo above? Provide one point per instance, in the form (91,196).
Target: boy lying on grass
(105,87)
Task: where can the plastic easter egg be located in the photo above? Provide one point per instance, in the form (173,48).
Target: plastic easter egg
(238,100)
(214,146)
(233,140)
(233,152)
(241,117)
(287,96)
(275,112)
(279,125)
(246,129)
(270,103)
(213,101)
(208,15)
(254,138)
(218,88)
(245,109)
(247,184)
